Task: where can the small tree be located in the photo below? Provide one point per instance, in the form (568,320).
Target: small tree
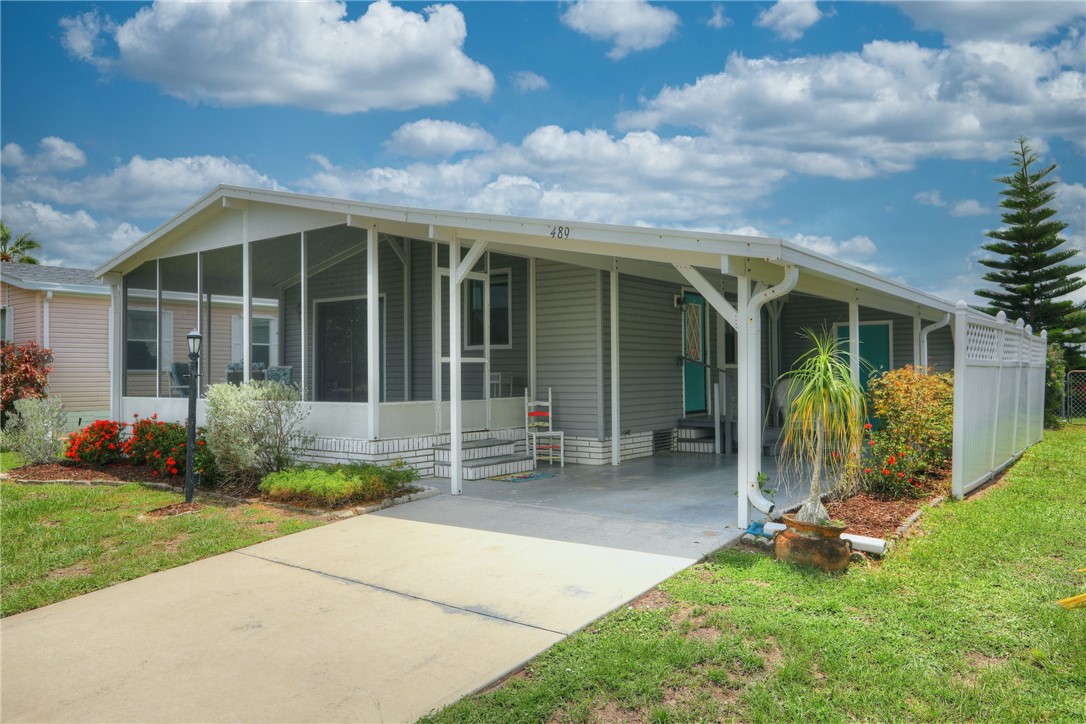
(24,373)
(1055,392)
(1029,270)
(824,425)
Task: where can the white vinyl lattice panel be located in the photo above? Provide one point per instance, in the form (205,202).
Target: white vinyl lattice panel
(981,343)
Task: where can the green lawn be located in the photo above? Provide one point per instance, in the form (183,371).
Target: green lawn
(10,459)
(60,541)
(960,623)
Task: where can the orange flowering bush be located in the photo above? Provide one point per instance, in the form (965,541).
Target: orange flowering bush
(161,446)
(913,433)
(96,444)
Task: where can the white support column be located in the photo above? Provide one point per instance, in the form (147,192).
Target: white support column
(961,364)
(917,359)
(373,331)
(304,312)
(247,299)
(202,363)
(854,340)
(531,328)
(749,428)
(158,328)
(456,456)
(409,327)
(116,343)
(616,406)
(486,340)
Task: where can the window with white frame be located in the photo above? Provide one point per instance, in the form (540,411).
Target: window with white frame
(501,313)
(141,342)
(5,324)
(264,340)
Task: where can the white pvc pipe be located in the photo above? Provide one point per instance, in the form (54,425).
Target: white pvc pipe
(859,542)
(923,363)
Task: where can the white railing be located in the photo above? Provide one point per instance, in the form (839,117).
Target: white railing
(999,376)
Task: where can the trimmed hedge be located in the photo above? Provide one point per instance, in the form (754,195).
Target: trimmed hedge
(336,486)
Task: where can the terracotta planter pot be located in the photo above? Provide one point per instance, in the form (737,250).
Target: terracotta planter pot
(813,544)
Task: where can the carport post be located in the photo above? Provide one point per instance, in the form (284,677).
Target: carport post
(456,452)
(373,331)
(747,417)
(616,420)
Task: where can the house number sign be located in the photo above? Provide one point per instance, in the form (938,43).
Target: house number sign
(559,232)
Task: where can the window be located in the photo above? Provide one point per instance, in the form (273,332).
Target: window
(501,317)
(5,322)
(262,342)
(343,350)
(140,340)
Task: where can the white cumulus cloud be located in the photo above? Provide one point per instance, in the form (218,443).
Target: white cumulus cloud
(309,55)
(930,198)
(1017,21)
(438,138)
(70,238)
(718,19)
(55,154)
(631,25)
(969,207)
(526,80)
(790,18)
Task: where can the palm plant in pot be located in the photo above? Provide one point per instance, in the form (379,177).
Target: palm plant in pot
(821,438)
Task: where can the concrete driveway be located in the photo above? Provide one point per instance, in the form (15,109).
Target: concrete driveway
(384,617)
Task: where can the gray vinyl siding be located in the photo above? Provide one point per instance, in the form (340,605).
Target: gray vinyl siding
(566,339)
(650,338)
(941,348)
(422,315)
(348,279)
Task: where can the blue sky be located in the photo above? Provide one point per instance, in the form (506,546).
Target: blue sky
(869,131)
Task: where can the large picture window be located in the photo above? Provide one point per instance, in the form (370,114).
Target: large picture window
(342,350)
(501,317)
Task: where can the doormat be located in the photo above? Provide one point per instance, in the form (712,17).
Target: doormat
(522,477)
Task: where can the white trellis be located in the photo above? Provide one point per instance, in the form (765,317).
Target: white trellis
(999,376)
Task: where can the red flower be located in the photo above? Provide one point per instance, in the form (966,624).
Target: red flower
(871,442)
(885,471)
(901,475)
(867,470)
(867,426)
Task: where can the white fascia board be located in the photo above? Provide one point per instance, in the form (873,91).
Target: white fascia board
(852,275)
(209,199)
(80,289)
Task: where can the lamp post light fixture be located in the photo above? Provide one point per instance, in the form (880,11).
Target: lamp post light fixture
(194,338)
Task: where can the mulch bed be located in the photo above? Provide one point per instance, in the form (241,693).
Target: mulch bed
(872,516)
(173,509)
(114,472)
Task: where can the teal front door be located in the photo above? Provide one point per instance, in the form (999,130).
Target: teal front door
(694,352)
(874,348)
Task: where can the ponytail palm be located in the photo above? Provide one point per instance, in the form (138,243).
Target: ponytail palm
(824,424)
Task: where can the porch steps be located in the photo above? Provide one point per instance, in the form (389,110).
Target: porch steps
(694,437)
(484,458)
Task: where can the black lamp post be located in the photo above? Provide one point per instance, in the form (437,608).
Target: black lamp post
(194,338)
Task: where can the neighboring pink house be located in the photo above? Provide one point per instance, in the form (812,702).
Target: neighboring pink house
(66,310)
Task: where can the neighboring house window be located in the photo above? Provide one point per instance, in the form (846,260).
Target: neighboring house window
(264,340)
(5,324)
(501,317)
(141,341)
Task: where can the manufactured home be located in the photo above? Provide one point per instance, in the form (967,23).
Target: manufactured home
(431,336)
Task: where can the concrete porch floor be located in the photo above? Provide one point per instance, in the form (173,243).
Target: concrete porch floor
(689,499)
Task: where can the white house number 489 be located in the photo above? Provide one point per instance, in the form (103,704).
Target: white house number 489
(559,232)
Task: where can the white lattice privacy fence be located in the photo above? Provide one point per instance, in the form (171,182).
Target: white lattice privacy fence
(999,389)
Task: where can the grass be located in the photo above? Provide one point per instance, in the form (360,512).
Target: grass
(960,623)
(61,541)
(9,459)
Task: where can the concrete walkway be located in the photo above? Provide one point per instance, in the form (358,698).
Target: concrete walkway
(384,617)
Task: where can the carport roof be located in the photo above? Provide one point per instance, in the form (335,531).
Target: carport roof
(725,253)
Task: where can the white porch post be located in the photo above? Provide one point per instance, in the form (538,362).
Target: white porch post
(304,313)
(616,407)
(854,340)
(456,456)
(116,342)
(916,341)
(247,299)
(750,431)
(373,331)
(158,328)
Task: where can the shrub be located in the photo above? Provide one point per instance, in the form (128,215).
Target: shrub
(24,374)
(254,429)
(96,444)
(914,429)
(1055,378)
(332,486)
(36,429)
(161,446)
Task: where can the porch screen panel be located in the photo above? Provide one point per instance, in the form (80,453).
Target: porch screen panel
(179,317)
(140,353)
(276,263)
(342,371)
(222,347)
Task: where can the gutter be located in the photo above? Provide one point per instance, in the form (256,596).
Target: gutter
(924,337)
(753,311)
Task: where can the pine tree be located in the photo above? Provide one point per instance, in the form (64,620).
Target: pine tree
(1029,271)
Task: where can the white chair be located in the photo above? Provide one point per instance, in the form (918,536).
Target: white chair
(544,442)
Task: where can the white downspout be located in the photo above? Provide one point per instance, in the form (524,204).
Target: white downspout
(924,339)
(750,430)
(45,320)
